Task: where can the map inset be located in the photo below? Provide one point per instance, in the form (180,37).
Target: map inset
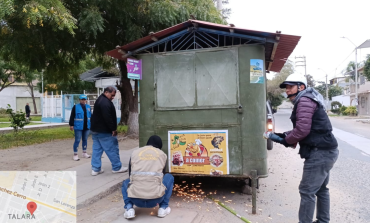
(38,196)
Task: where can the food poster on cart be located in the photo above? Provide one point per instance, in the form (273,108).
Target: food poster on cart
(198,152)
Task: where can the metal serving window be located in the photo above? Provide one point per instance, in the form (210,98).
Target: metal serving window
(197,80)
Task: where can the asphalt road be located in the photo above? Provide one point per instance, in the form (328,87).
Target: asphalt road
(278,197)
(350,181)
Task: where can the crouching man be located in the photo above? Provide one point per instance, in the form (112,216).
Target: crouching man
(147,185)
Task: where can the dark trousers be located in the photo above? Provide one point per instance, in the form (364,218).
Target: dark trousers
(314,185)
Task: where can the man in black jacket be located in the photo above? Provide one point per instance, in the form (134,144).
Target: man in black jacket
(28,111)
(104,133)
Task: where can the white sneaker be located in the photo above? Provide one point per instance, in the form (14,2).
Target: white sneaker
(96,173)
(123,169)
(85,155)
(164,212)
(130,213)
(75,158)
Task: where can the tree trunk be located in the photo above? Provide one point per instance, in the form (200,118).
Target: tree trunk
(133,124)
(131,99)
(124,97)
(30,85)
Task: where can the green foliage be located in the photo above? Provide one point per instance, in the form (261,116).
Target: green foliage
(335,107)
(367,67)
(2,111)
(351,110)
(122,128)
(37,13)
(343,110)
(22,138)
(333,90)
(9,73)
(349,70)
(17,119)
(275,100)
(30,137)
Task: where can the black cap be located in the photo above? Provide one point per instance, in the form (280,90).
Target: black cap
(283,85)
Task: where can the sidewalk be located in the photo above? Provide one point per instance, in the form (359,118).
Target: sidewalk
(41,125)
(93,188)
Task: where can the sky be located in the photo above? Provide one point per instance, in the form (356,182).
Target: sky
(320,25)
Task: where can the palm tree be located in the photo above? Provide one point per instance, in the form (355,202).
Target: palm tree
(350,70)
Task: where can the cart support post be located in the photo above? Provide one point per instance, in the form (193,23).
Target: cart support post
(254,191)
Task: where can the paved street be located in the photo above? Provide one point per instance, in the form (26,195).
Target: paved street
(349,183)
(278,197)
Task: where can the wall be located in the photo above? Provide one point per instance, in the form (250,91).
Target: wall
(364,104)
(9,96)
(343,99)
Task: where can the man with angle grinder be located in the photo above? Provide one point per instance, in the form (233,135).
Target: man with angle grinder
(313,131)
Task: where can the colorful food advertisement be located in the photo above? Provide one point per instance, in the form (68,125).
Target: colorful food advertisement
(198,152)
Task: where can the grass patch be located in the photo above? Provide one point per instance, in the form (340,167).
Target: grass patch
(122,128)
(30,137)
(334,115)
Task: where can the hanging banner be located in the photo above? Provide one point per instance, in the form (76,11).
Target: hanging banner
(134,69)
(256,71)
(198,152)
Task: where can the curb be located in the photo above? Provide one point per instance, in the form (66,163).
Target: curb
(99,196)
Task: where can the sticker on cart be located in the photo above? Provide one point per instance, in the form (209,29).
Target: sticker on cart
(198,152)
(256,71)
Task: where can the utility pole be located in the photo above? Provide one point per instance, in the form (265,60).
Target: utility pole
(303,65)
(327,90)
(219,5)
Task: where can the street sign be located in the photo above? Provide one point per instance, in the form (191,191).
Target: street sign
(134,69)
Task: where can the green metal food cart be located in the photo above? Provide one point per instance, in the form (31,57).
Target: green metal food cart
(203,91)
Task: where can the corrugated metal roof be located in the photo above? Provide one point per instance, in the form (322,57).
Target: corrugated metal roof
(285,46)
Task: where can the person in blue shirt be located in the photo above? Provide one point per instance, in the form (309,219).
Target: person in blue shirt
(79,121)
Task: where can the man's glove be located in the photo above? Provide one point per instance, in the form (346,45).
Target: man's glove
(266,135)
(276,138)
(281,135)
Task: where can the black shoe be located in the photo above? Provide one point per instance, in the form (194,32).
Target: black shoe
(317,221)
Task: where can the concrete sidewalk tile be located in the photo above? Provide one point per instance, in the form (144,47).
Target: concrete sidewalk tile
(177,215)
(92,188)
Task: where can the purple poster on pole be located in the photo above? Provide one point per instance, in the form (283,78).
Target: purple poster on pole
(134,69)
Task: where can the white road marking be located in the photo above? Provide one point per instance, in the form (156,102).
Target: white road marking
(359,142)
(360,135)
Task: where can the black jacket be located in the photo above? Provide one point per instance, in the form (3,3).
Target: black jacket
(73,115)
(321,135)
(104,118)
(28,110)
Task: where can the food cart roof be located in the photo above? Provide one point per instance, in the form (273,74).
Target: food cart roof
(278,47)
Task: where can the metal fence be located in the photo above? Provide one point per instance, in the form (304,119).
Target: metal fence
(60,106)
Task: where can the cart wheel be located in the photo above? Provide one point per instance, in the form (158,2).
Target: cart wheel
(246,188)
(270,144)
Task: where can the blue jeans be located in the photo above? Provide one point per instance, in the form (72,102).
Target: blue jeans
(84,134)
(105,142)
(313,185)
(149,203)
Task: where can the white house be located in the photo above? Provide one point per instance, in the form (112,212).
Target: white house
(18,95)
